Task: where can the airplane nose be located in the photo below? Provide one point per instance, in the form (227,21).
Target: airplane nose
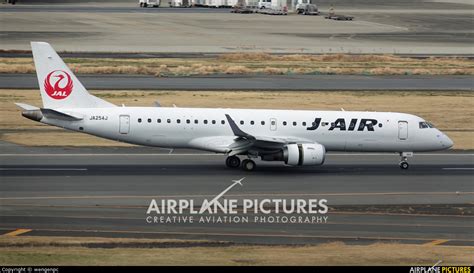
(445,141)
(448,142)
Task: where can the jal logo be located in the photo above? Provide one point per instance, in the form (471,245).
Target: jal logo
(58,84)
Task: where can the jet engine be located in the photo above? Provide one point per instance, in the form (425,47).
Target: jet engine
(299,154)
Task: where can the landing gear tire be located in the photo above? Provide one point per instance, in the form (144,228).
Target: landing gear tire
(404,165)
(248,165)
(232,161)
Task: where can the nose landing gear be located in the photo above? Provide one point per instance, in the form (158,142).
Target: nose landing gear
(404,160)
(404,165)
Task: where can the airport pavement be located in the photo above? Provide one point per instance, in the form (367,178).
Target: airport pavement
(255,82)
(393,27)
(63,191)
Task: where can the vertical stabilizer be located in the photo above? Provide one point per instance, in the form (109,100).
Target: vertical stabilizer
(59,86)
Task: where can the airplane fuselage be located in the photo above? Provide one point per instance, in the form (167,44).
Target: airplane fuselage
(295,137)
(207,129)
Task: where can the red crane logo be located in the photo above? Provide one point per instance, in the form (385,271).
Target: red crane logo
(58,84)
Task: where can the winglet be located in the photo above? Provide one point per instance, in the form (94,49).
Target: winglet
(236,129)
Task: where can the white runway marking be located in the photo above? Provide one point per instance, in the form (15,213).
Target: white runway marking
(43,169)
(60,155)
(367,23)
(235,195)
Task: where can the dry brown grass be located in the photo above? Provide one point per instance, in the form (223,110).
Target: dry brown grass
(17,68)
(262,56)
(449,111)
(337,253)
(264,63)
(61,241)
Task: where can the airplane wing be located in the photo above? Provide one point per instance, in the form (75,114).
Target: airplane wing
(245,142)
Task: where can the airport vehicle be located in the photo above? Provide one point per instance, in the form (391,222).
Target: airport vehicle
(298,138)
(309,9)
(149,3)
(181,3)
(305,7)
(264,4)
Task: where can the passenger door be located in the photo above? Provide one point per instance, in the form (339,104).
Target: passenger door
(124,126)
(402,130)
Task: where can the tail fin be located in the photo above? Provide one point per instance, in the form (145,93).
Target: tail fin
(59,86)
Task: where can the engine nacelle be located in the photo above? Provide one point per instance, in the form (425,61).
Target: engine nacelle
(304,154)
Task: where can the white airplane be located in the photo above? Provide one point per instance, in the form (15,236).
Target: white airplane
(297,138)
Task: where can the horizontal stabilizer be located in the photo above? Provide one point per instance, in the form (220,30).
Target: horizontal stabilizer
(54,114)
(26,107)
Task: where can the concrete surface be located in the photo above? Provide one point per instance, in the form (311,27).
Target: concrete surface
(408,27)
(106,192)
(255,82)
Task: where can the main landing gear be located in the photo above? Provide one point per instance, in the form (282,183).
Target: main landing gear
(234,162)
(404,160)
(248,165)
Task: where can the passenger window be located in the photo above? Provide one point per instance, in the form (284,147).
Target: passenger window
(149,120)
(158,120)
(196,121)
(273,122)
(222,121)
(294,123)
(205,121)
(241,122)
(252,122)
(139,120)
(188,121)
(168,120)
(304,123)
(284,123)
(178,121)
(263,122)
(213,121)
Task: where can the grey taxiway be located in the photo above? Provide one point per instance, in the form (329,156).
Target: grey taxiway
(256,82)
(105,192)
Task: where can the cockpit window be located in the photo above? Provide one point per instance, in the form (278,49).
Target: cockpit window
(424,125)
